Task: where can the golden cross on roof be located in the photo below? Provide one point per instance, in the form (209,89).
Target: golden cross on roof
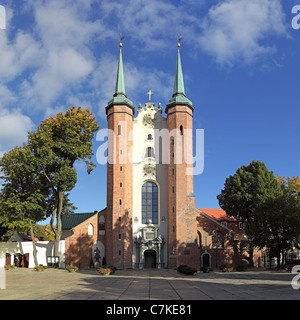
(150,93)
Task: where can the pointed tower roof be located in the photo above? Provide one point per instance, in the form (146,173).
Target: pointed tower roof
(120,83)
(120,96)
(179,97)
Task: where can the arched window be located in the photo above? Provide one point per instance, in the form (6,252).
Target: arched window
(90,230)
(149,202)
(101,225)
(199,239)
(149,153)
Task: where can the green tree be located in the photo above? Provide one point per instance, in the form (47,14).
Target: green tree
(44,232)
(56,145)
(243,195)
(280,220)
(23,198)
(291,184)
(279,225)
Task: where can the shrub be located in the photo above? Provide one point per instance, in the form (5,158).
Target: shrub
(113,269)
(206,269)
(104,270)
(186,269)
(241,268)
(71,268)
(226,267)
(9,267)
(39,268)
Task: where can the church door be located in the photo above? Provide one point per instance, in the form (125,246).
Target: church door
(205,260)
(8,259)
(18,260)
(150,259)
(25,260)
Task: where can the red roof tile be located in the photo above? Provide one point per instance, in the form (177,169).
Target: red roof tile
(217,214)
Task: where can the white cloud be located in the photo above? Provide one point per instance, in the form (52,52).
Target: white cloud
(6,96)
(61,69)
(153,25)
(138,81)
(66,57)
(61,57)
(17,55)
(13,129)
(238,30)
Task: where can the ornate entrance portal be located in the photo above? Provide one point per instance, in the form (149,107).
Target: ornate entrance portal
(149,248)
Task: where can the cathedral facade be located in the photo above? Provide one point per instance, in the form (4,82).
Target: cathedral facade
(148,189)
(150,220)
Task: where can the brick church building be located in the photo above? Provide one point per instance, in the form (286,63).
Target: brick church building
(151,219)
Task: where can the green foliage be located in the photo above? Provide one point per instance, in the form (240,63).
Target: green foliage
(226,267)
(185,269)
(269,207)
(59,142)
(38,175)
(23,198)
(72,268)
(244,194)
(45,232)
(241,268)
(106,270)
(39,268)
(279,224)
(9,267)
(206,269)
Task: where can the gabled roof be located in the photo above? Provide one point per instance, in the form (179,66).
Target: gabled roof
(72,220)
(217,214)
(20,237)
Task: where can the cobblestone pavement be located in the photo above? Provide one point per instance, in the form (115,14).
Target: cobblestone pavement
(147,284)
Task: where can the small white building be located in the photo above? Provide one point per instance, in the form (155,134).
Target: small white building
(18,251)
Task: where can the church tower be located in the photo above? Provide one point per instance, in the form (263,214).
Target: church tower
(119,113)
(180,190)
(150,200)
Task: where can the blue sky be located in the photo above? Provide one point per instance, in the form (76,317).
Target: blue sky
(240,63)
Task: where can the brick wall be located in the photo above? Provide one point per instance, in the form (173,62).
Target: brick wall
(119,246)
(78,246)
(179,184)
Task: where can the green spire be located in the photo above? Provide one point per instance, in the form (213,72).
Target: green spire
(120,83)
(120,96)
(178,84)
(179,97)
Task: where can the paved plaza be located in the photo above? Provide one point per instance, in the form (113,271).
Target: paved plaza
(147,284)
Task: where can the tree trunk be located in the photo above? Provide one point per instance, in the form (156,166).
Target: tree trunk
(250,251)
(278,260)
(34,246)
(58,222)
(57,214)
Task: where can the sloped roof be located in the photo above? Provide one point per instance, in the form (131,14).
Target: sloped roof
(20,237)
(72,220)
(217,214)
